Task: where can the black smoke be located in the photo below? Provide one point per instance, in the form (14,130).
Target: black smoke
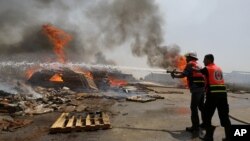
(96,26)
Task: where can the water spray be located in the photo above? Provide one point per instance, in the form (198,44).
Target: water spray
(54,65)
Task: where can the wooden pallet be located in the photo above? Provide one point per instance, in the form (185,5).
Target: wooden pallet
(68,122)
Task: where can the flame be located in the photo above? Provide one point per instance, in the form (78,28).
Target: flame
(30,71)
(56,78)
(181,64)
(59,39)
(117,82)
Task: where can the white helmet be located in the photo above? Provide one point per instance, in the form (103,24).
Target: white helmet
(191,54)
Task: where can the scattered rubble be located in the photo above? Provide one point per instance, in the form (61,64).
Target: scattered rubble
(7,123)
(64,90)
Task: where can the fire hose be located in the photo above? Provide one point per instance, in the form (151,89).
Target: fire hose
(239,120)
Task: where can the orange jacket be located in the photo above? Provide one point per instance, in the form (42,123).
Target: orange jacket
(215,79)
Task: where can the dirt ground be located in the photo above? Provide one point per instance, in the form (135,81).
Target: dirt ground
(160,120)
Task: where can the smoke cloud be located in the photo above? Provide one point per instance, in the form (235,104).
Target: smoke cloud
(101,59)
(96,26)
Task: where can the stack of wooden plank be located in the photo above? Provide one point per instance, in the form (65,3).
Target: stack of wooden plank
(68,122)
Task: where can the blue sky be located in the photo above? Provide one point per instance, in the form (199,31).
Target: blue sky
(220,27)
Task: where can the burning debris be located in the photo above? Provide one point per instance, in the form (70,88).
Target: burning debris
(79,79)
(63,78)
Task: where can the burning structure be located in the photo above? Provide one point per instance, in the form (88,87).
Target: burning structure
(79,81)
(61,87)
(62,78)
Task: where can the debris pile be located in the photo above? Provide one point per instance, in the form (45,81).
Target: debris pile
(19,104)
(64,77)
(68,90)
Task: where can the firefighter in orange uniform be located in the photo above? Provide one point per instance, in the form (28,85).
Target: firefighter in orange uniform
(196,85)
(216,97)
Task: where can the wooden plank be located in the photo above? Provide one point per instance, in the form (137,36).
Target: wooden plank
(70,125)
(88,122)
(106,121)
(80,124)
(70,122)
(97,122)
(59,124)
(99,119)
(58,120)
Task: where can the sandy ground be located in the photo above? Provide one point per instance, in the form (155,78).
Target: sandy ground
(160,120)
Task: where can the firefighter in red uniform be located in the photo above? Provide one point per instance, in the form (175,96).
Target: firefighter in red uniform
(196,84)
(216,97)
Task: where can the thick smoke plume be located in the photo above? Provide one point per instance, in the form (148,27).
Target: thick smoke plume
(96,27)
(137,22)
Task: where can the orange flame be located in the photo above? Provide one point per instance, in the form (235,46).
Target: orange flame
(117,82)
(59,39)
(30,71)
(56,78)
(181,64)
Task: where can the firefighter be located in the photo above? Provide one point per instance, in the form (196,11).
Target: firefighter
(216,97)
(196,85)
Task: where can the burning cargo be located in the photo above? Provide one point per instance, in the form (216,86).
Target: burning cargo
(79,79)
(62,78)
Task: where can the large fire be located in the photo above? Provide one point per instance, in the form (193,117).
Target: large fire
(59,39)
(181,64)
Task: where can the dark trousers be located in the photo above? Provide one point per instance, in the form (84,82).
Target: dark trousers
(220,102)
(197,102)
